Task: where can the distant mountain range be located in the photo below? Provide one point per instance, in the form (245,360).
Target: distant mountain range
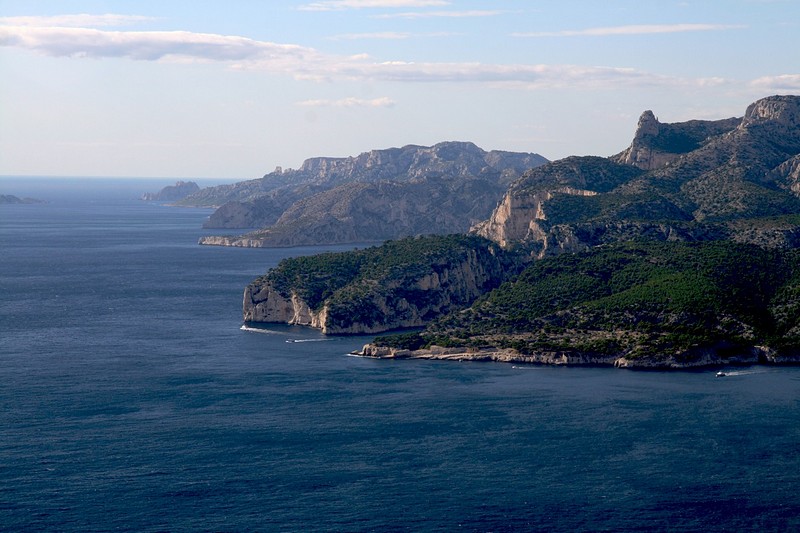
(682,250)
(378,195)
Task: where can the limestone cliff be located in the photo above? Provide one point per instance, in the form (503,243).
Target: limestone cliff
(263,303)
(526,214)
(518,217)
(402,284)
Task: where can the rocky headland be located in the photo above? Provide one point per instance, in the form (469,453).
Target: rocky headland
(400,284)
(172,193)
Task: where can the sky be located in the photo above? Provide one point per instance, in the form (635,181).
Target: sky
(233,89)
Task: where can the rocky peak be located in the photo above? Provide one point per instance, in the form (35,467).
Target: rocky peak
(642,152)
(656,145)
(648,125)
(779,110)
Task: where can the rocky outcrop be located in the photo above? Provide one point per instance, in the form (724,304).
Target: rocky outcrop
(787,174)
(518,217)
(172,193)
(778,112)
(641,152)
(524,214)
(708,357)
(656,145)
(222,240)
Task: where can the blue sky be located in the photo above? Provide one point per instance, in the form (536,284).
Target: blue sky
(233,89)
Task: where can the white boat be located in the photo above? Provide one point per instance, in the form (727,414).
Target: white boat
(721,374)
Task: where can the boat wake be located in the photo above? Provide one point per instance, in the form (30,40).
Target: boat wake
(307,340)
(726,373)
(260,330)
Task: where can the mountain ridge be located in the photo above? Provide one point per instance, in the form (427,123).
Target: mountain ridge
(747,171)
(685,259)
(338,200)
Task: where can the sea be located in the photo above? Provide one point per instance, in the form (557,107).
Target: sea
(131,399)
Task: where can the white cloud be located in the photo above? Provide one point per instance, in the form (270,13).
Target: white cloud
(783,82)
(389,35)
(76,21)
(145,45)
(511,75)
(392,35)
(309,64)
(640,29)
(443,14)
(332,5)
(349,102)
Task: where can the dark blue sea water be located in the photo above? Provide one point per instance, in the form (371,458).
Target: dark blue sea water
(131,400)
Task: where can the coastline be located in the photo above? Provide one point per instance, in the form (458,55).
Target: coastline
(759,355)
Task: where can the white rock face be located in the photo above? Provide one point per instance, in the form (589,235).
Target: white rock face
(517,217)
(640,153)
(264,304)
(780,110)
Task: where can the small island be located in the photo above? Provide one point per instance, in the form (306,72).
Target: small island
(11,199)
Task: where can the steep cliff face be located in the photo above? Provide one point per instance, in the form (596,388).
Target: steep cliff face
(262,303)
(641,153)
(527,213)
(518,217)
(402,284)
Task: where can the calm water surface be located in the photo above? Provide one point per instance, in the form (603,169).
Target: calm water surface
(131,400)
